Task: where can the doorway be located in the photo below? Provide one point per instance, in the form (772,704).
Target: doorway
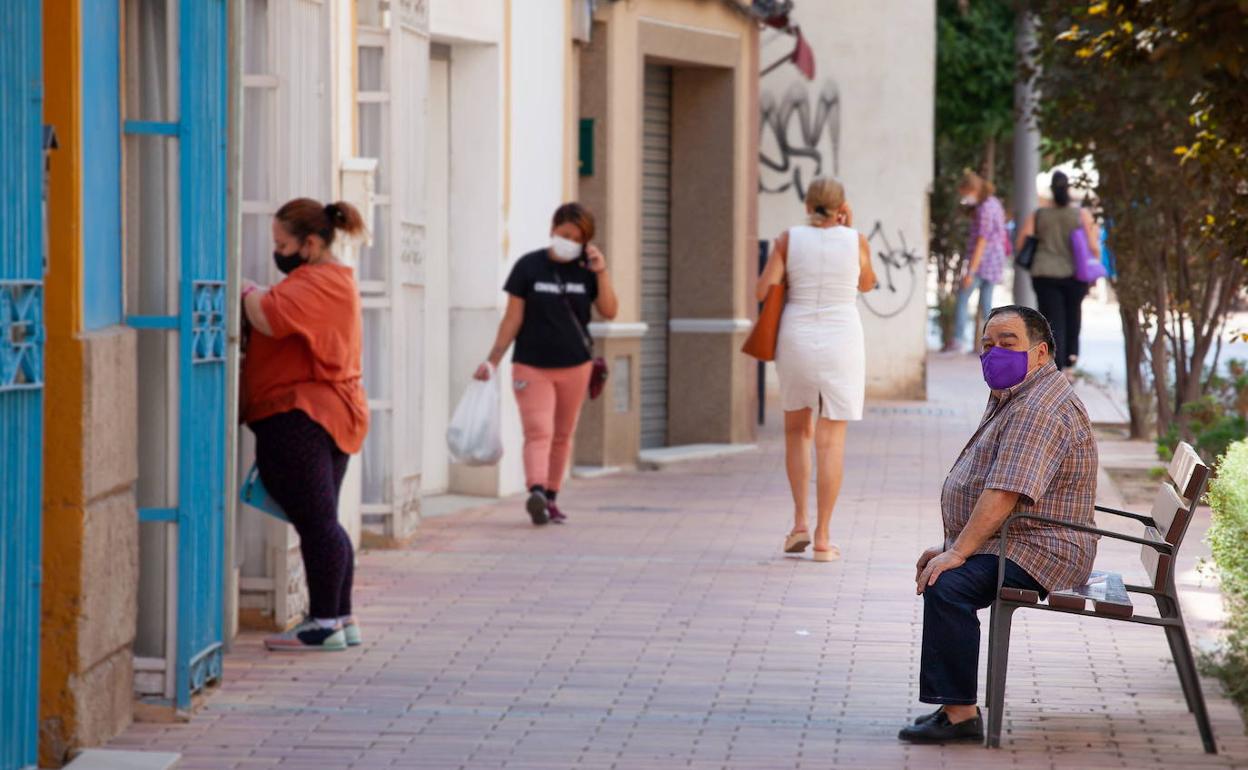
(656,241)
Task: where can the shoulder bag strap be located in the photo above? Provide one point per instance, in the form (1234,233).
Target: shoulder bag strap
(586,340)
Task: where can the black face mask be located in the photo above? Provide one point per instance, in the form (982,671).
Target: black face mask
(287,262)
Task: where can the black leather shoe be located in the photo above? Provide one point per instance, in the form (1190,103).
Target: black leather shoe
(939,729)
(929,716)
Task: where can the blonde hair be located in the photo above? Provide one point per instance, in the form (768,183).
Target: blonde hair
(971,179)
(824,199)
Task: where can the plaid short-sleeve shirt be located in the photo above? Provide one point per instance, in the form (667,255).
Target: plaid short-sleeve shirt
(1035,439)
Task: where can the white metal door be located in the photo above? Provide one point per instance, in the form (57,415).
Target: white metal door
(655,252)
(392,55)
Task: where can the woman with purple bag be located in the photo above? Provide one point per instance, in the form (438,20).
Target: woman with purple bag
(1067,247)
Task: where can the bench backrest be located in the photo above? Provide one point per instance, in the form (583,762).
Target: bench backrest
(1172,511)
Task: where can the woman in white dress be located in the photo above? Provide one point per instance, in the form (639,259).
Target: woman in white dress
(819,353)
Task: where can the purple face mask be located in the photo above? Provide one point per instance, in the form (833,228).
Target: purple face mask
(1003,369)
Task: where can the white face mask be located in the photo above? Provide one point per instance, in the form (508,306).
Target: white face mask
(564,249)
(970,200)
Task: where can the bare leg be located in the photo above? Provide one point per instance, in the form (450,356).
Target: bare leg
(798,432)
(830,454)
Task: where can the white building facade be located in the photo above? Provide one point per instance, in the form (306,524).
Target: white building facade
(872,127)
(447,123)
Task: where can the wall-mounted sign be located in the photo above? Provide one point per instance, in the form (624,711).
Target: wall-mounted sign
(585,152)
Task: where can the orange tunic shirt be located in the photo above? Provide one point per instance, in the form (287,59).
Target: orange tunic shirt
(312,361)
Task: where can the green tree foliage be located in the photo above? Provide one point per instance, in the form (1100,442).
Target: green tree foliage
(1110,91)
(975,74)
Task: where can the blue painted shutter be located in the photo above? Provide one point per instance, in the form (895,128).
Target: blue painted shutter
(21,377)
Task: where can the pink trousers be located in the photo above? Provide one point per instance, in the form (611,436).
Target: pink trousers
(550,404)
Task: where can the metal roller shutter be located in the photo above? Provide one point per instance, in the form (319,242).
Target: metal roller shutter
(655,246)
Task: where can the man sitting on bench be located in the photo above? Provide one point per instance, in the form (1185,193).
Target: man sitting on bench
(1033,452)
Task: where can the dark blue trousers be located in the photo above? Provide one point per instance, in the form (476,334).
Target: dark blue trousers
(948,672)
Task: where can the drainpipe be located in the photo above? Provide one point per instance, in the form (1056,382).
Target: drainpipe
(233,274)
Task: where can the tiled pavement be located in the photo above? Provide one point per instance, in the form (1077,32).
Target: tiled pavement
(662,628)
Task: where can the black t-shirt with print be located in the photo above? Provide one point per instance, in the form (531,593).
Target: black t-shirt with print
(549,338)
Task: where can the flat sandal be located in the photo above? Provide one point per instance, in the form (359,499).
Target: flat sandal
(832,553)
(797,542)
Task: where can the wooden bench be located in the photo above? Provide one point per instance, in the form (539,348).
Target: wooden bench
(1106,596)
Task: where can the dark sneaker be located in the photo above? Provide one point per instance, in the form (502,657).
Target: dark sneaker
(537,507)
(308,637)
(938,729)
(556,516)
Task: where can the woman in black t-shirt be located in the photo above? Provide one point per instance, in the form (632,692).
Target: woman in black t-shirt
(551,292)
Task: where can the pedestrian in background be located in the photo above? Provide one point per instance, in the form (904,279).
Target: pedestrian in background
(987,244)
(303,398)
(551,292)
(820,352)
(1058,293)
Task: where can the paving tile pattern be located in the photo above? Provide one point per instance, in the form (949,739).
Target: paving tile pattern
(662,628)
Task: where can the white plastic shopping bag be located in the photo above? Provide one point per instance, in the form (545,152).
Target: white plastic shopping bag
(474,436)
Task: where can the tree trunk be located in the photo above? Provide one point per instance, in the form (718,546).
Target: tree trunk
(1139,400)
(988,172)
(1160,351)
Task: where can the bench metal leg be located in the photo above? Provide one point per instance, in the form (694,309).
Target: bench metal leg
(999,657)
(992,622)
(1176,655)
(1190,679)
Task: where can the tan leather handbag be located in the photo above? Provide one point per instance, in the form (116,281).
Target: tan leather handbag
(761,343)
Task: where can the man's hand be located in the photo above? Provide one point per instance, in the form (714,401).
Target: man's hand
(935,565)
(928,555)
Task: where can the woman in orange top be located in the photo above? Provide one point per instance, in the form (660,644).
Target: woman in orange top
(303,398)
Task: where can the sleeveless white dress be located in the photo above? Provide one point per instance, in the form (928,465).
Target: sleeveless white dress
(820,353)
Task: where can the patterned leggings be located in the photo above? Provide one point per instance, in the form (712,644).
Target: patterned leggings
(302,468)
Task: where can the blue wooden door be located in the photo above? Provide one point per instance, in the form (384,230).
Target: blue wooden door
(201,471)
(199,128)
(21,377)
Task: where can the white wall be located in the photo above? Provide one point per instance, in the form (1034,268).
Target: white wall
(506,179)
(875,85)
(539,38)
(504,185)
(479,21)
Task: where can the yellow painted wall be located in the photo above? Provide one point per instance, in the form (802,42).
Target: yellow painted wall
(62,461)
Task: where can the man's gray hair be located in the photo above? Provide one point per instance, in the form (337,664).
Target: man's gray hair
(1038,329)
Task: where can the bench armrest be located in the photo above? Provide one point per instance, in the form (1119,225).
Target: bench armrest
(1159,545)
(1145,520)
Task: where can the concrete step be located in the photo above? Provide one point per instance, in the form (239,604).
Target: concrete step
(663,457)
(111,759)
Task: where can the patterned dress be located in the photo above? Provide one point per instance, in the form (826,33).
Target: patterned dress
(989,222)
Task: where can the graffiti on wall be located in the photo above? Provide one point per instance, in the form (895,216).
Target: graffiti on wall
(800,137)
(897,273)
